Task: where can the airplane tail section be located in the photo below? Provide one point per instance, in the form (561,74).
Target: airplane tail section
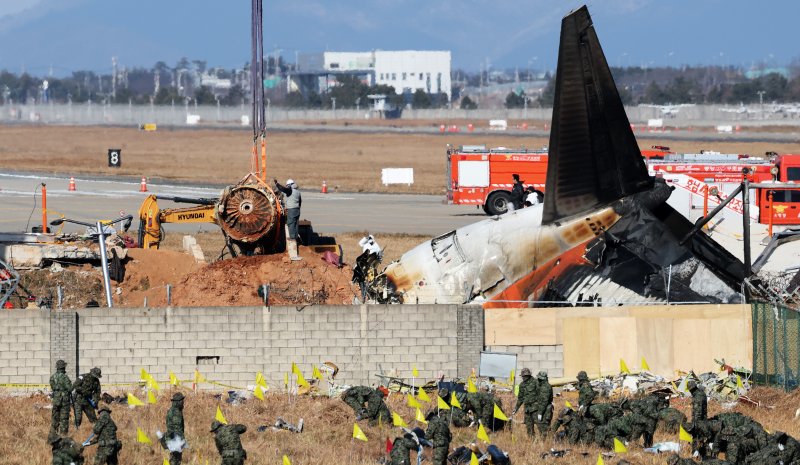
(593,155)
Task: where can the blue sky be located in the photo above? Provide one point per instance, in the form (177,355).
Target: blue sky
(84,34)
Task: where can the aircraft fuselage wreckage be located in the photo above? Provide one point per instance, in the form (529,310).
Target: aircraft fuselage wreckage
(604,234)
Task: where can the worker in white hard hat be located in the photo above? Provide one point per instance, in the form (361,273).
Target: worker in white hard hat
(292,203)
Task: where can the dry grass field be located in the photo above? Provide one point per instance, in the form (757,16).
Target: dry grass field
(349,162)
(326,438)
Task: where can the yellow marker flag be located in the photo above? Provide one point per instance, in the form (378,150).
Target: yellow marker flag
(397,420)
(301,380)
(684,436)
(411,401)
(166,462)
(260,381)
(471,386)
(220,417)
(142,437)
(474,460)
(358,434)
(511,377)
(199,378)
(286,380)
(482,435)
(134,401)
(316,374)
(414,372)
(258,393)
(423,396)
(623,367)
(645,366)
(516,390)
(619,447)
(600,460)
(145,376)
(286,460)
(499,413)
(296,370)
(420,417)
(454,401)
(567,404)
(151,398)
(173,380)
(739,384)
(442,404)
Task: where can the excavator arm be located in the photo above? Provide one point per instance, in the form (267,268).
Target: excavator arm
(151,217)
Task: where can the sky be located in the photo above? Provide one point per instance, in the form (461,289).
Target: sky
(71,35)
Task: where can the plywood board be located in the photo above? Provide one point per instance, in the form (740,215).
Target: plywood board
(654,340)
(520,326)
(617,341)
(581,346)
(692,344)
(732,340)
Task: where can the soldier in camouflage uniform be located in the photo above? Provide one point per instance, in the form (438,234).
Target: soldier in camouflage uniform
(601,414)
(699,402)
(458,416)
(617,427)
(356,397)
(175,430)
(376,411)
(586,394)
(440,435)
(543,401)
(61,386)
(105,436)
(644,417)
(228,442)
(781,449)
(65,450)
(526,395)
(671,419)
(87,395)
(401,450)
(675,459)
(575,428)
(723,430)
(482,405)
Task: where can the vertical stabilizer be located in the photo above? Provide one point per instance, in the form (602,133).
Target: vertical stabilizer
(593,156)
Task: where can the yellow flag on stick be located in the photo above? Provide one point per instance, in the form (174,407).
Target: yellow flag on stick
(286,380)
(358,434)
(296,370)
(411,401)
(134,401)
(499,413)
(151,397)
(258,393)
(471,386)
(623,367)
(454,401)
(442,404)
(567,404)
(684,436)
(619,447)
(286,460)
(645,366)
(142,437)
(511,377)
(482,435)
(423,396)
(739,384)
(397,420)
(474,460)
(199,378)
(260,381)
(301,380)
(600,460)
(166,462)
(220,417)
(145,376)
(173,380)
(414,372)
(420,417)
(316,374)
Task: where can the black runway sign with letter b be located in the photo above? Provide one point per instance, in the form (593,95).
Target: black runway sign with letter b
(115,158)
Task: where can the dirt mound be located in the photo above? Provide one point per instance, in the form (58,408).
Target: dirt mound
(147,272)
(235,282)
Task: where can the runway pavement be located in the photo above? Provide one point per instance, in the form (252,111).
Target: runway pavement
(103,198)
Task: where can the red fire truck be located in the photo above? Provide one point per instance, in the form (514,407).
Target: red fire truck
(483,177)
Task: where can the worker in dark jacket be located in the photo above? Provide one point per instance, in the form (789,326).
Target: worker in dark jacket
(292,203)
(517,194)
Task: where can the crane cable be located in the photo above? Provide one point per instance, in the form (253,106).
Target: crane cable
(257,89)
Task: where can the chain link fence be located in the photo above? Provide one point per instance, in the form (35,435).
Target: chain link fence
(776,345)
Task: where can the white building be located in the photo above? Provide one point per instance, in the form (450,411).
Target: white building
(406,71)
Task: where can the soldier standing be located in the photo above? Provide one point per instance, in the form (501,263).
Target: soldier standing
(526,395)
(61,386)
(699,402)
(440,435)
(586,394)
(174,439)
(228,442)
(87,395)
(105,436)
(544,403)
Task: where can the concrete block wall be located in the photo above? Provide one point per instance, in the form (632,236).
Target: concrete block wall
(25,347)
(547,357)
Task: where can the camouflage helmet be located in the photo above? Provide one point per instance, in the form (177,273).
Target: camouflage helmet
(444,393)
(178,397)
(582,376)
(525,372)
(60,364)
(691,386)
(215,425)
(104,408)
(96,372)
(542,375)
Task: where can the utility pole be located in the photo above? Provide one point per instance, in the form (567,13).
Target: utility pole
(761,102)
(113,77)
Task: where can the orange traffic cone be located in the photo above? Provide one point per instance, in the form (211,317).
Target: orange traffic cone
(324,187)
(143,185)
(72,184)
